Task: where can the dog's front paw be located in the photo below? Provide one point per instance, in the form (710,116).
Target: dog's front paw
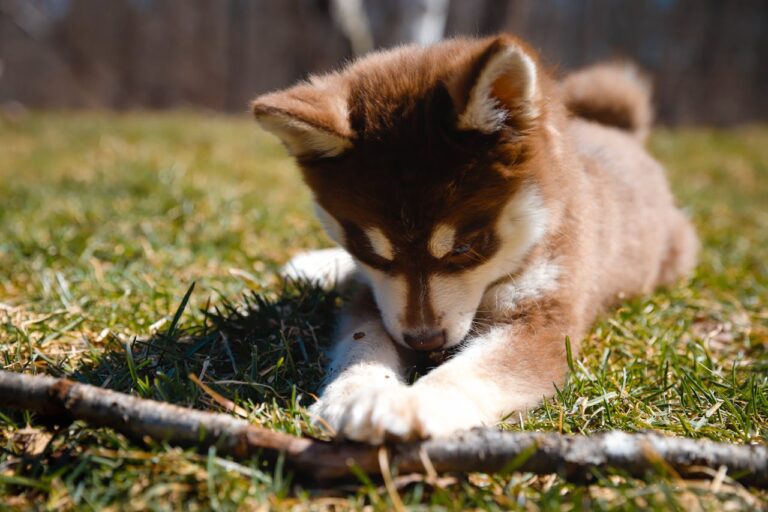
(399,412)
(328,412)
(347,413)
(326,267)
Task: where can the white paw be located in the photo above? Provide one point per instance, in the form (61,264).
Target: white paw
(399,412)
(327,267)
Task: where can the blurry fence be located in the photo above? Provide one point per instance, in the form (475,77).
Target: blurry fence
(708,58)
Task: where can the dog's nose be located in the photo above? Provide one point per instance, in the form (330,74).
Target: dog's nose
(425,340)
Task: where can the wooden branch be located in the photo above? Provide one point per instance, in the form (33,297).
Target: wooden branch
(484,450)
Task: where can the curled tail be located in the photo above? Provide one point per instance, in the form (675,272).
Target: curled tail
(614,94)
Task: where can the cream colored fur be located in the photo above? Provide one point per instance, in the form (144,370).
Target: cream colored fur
(380,243)
(505,369)
(442,240)
(301,138)
(594,223)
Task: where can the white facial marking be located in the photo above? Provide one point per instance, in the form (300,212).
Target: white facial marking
(391,294)
(380,243)
(442,240)
(483,111)
(456,297)
(330,224)
(522,223)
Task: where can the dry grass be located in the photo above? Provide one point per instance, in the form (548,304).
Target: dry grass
(106,221)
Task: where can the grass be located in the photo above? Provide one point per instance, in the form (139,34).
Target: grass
(106,221)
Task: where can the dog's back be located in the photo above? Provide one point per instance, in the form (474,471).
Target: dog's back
(641,240)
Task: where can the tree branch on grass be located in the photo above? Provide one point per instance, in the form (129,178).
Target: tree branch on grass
(484,450)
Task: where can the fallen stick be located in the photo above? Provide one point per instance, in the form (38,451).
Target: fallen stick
(483,450)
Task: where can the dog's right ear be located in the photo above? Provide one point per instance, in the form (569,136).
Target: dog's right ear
(310,119)
(499,86)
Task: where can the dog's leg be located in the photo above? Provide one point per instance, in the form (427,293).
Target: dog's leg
(326,267)
(364,361)
(505,370)
(508,368)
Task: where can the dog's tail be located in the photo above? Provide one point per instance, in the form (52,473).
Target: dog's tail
(615,94)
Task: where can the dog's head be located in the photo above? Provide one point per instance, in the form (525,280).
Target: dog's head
(420,161)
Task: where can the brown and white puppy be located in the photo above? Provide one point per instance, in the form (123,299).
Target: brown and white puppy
(484,205)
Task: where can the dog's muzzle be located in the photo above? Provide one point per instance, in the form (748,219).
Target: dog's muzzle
(425,340)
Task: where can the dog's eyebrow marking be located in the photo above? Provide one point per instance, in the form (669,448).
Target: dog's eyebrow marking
(442,240)
(380,243)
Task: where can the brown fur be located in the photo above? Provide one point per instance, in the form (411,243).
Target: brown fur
(613,94)
(418,167)
(613,228)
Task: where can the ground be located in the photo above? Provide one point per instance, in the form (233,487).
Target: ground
(107,220)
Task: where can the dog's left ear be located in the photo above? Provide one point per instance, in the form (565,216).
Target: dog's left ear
(498,87)
(310,119)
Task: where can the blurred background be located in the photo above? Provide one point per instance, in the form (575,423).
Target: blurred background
(708,58)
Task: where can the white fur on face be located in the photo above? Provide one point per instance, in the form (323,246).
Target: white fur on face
(483,111)
(456,297)
(391,294)
(380,243)
(442,240)
(330,224)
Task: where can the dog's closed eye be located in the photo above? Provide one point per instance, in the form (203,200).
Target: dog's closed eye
(458,250)
(470,250)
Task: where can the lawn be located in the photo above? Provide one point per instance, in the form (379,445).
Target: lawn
(107,220)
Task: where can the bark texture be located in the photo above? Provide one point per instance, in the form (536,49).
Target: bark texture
(484,450)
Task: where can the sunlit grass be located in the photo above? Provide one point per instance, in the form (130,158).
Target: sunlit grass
(107,220)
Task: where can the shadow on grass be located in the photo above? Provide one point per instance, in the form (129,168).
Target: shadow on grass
(260,348)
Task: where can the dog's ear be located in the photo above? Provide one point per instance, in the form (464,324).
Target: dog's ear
(310,119)
(499,86)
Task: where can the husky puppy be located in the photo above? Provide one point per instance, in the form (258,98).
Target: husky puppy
(486,207)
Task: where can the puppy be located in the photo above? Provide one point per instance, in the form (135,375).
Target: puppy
(486,208)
